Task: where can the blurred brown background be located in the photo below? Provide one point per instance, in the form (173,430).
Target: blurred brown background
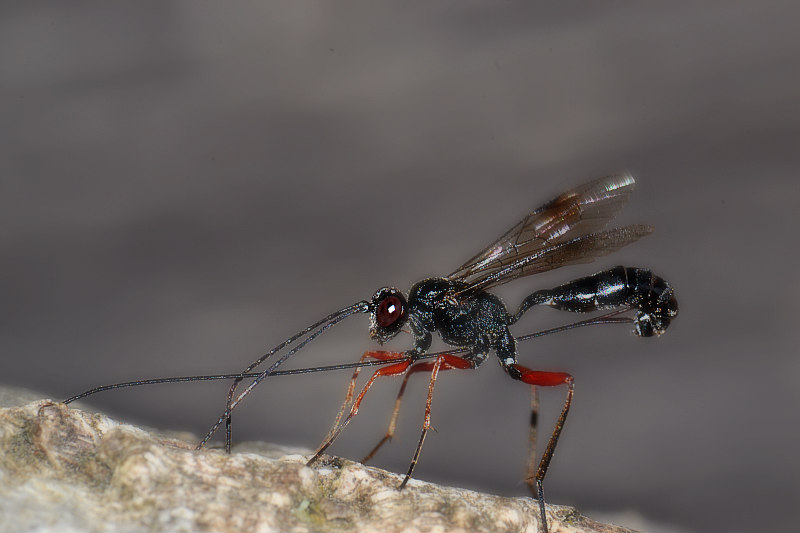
(185,184)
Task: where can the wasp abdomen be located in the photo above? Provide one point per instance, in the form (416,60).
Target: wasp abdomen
(617,287)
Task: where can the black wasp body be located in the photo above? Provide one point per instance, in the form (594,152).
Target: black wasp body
(459,307)
(479,321)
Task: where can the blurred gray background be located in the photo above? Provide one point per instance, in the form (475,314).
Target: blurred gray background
(185,184)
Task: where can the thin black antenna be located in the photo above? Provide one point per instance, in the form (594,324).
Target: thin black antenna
(215,377)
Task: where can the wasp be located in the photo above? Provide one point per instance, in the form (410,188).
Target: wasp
(475,323)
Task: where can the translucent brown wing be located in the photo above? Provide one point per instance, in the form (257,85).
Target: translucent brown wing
(583,249)
(580,211)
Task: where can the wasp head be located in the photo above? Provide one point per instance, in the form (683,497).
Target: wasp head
(388,314)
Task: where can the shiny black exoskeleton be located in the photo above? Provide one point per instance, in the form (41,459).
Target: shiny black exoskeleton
(479,320)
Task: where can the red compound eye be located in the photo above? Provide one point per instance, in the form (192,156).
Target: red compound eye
(389,310)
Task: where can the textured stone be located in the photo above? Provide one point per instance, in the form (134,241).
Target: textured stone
(75,471)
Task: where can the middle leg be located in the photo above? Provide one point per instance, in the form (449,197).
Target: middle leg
(448,364)
(451,362)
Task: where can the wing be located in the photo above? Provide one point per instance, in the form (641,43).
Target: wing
(535,240)
(583,249)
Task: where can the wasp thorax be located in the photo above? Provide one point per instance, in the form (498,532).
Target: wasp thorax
(389,314)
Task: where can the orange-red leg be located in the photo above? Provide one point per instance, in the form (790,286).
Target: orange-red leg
(395,369)
(451,362)
(545,379)
(416,368)
(379,355)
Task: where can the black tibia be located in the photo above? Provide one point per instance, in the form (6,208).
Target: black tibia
(618,287)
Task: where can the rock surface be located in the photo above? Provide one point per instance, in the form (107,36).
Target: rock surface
(66,469)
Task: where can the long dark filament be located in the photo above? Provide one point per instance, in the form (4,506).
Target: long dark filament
(214,377)
(608,318)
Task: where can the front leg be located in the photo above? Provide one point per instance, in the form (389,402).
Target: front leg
(396,369)
(422,338)
(379,355)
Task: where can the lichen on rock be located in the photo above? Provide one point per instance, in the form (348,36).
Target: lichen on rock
(66,469)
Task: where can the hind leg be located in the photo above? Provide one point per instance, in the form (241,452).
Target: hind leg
(543,379)
(506,351)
